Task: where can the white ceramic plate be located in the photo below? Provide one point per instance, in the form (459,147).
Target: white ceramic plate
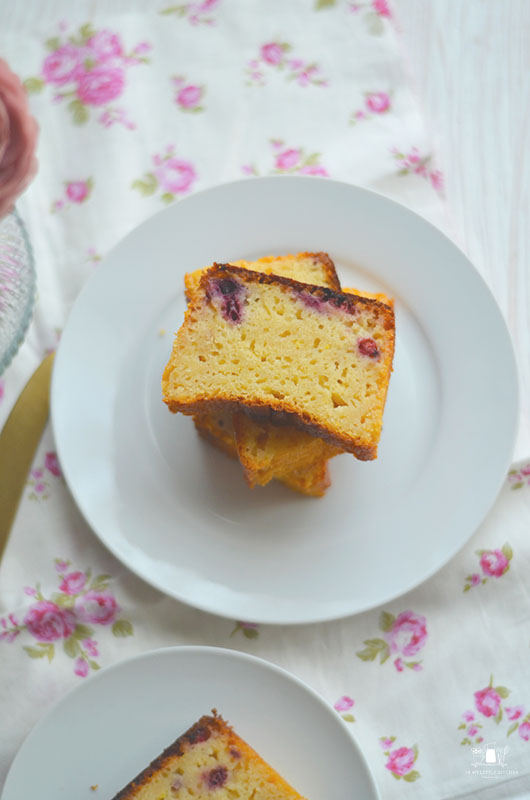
(108,729)
(178,512)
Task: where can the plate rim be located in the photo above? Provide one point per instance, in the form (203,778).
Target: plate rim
(205,650)
(325,615)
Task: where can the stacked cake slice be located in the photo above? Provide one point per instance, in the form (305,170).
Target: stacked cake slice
(281,367)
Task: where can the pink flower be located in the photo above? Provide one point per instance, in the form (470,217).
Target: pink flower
(207,5)
(81,668)
(62,65)
(18,139)
(487,701)
(344,703)
(30,591)
(104,45)
(381,7)
(480,739)
(494,563)
(2,389)
(175,176)
(514,712)
(472,730)
(272,53)
(73,583)
(51,461)
(97,607)
(469,716)
(39,487)
(386,744)
(37,473)
(47,622)
(287,159)
(437,180)
(378,102)
(60,566)
(91,647)
(189,96)
(401,760)
(408,633)
(525,470)
(398,663)
(474,579)
(313,169)
(77,191)
(142,47)
(100,85)
(524,730)
(9,636)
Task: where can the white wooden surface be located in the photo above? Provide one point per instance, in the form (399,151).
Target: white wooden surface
(469,61)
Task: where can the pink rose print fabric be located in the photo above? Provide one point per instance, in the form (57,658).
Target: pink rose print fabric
(375,103)
(250,630)
(88,70)
(290,160)
(75,193)
(345,704)
(171,176)
(404,637)
(40,478)
(400,760)
(492,563)
(373,13)
(273,56)
(188,96)
(93,256)
(489,707)
(196,13)
(68,618)
(413,163)
(519,477)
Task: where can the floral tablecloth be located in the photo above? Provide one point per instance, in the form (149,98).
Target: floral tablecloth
(140,104)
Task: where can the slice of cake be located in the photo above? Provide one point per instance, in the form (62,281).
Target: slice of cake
(314,268)
(319,357)
(311,478)
(208,761)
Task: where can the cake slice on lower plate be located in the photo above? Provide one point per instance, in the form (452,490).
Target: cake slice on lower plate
(209,761)
(320,358)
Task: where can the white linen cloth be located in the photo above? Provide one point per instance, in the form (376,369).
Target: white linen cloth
(139,104)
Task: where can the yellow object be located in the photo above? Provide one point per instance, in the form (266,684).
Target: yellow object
(19,439)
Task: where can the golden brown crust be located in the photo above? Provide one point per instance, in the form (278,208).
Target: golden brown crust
(204,727)
(346,301)
(331,279)
(268,411)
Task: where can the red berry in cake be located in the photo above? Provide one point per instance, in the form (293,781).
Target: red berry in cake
(227,286)
(227,296)
(200,734)
(217,777)
(368,348)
